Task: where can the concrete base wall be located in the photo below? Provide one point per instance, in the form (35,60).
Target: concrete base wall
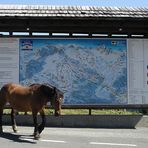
(86,121)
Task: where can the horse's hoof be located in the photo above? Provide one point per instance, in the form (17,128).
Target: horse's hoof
(15,131)
(1,130)
(14,127)
(40,129)
(36,136)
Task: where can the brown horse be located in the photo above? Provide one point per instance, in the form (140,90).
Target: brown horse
(32,98)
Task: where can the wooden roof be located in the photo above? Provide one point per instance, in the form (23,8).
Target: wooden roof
(74,19)
(71,11)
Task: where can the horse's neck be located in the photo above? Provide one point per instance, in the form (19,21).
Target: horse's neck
(47,100)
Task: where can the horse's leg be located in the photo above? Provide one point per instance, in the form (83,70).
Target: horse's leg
(1,113)
(14,127)
(2,104)
(42,125)
(36,132)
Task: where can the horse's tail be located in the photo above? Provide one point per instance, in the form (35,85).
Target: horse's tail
(3,91)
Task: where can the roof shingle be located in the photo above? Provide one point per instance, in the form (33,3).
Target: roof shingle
(71,11)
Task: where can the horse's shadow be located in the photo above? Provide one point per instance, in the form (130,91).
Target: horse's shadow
(18,138)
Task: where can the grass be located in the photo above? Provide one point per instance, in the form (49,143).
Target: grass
(86,112)
(98,112)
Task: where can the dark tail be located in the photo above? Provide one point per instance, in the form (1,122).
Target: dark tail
(3,91)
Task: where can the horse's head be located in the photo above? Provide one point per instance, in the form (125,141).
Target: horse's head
(57,101)
(55,96)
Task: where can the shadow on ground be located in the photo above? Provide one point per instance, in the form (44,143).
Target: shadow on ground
(18,138)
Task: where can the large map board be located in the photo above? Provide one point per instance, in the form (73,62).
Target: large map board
(89,71)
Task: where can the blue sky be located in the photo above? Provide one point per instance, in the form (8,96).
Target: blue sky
(118,3)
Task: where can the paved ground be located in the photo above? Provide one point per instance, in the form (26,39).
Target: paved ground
(75,138)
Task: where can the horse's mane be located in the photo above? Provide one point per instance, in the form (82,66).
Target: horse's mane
(49,85)
(54,87)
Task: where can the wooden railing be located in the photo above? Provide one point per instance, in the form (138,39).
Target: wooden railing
(91,107)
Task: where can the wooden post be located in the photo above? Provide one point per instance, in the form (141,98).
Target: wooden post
(89,111)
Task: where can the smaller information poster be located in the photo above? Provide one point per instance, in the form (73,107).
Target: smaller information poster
(9,60)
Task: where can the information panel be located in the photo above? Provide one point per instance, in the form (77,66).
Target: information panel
(9,60)
(138,71)
(89,71)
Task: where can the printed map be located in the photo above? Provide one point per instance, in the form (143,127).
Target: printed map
(88,71)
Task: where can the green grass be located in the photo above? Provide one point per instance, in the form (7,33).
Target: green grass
(86,112)
(98,112)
